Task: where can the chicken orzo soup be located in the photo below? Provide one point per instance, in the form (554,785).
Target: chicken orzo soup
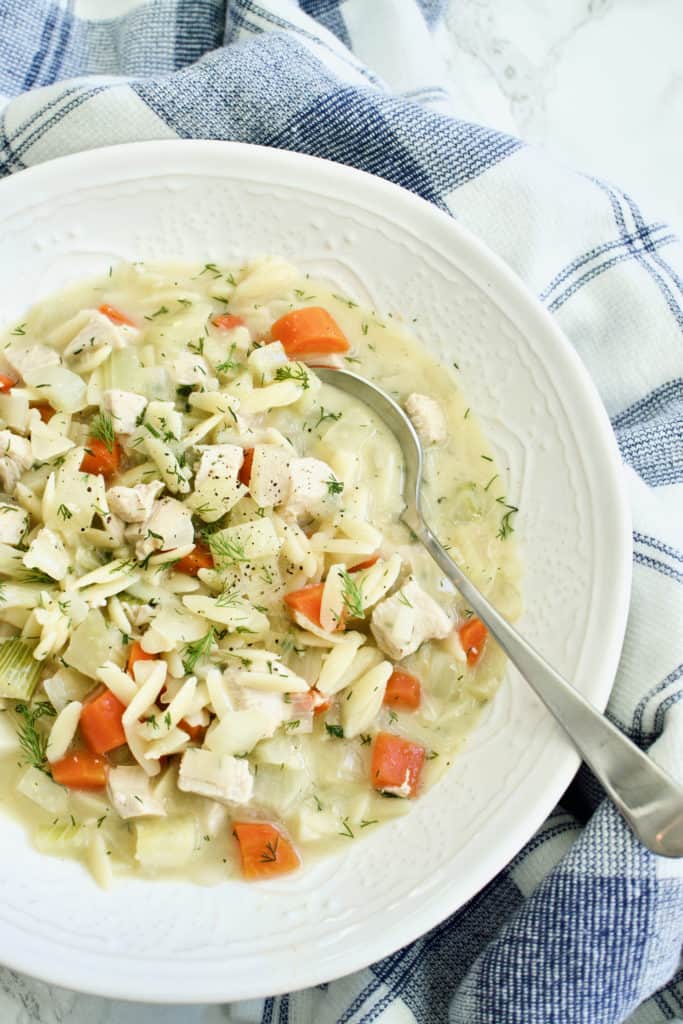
(220,651)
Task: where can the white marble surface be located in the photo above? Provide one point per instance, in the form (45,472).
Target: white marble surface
(599,85)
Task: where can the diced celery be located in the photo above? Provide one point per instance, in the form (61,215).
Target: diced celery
(64,390)
(19,670)
(123,370)
(92,643)
(40,788)
(165,843)
(60,838)
(279,789)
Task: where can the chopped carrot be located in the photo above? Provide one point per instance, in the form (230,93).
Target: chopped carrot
(80,770)
(396,764)
(195,732)
(199,558)
(264,850)
(308,601)
(473,635)
(311,700)
(403,691)
(100,723)
(98,459)
(45,411)
(227,321)
(309,331)
(367,564)
(321,703)
(136,653)
(244,475)
(115,315)
(6,383)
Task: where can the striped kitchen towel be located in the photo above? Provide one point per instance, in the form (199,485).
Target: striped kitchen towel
(585,926)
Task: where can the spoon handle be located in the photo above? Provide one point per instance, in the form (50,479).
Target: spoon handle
(648,797)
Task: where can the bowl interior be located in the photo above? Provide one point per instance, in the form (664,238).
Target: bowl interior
(391,251)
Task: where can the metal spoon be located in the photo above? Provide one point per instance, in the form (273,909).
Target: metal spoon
(650,800)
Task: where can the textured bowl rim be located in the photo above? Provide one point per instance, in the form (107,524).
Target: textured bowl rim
(66,175)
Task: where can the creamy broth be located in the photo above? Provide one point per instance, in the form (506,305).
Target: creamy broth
(315,786)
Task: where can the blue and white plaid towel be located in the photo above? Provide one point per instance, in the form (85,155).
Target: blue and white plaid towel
(584,926)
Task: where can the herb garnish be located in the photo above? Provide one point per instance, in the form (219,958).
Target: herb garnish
(32,742)
(295,372)
(102,427)
(197,650)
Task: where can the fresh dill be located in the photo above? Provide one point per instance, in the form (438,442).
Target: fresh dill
(226,551)
(403,599)
(64,512)
(334,730)
(210,268)
(346,830)
(31,740)
(334,416)
(102,428)
(295,372)
(269,854)
(19,329)
(352,595)
(347,302)
(161,310)
(197,347)
(334,486)
(506,527)
(197,650)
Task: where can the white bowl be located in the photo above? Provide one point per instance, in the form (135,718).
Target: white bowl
(226,202)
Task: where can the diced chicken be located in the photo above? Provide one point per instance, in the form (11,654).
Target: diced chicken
(271,705)
(24,358)
(99,332)
(219,462)
(216,488)
(134,504)
(310,483)
(428,418)
(13,523)
(16,455)
(47,553)
(125,407)
(130,793)
(408,618)
(270,475)
(218,776)
(189,368)
(169,526)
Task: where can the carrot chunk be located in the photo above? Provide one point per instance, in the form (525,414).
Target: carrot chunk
(367,564)
(100,723)
(6,383)
(264,850)
(244,475)
(403,691)
(98,459)
(473,635)
(136,653)
(195,732)
(308,602)
(309,331)
(227,321)
(115,315)
(199,558)
(80,770)
(396,764)
(45,411)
